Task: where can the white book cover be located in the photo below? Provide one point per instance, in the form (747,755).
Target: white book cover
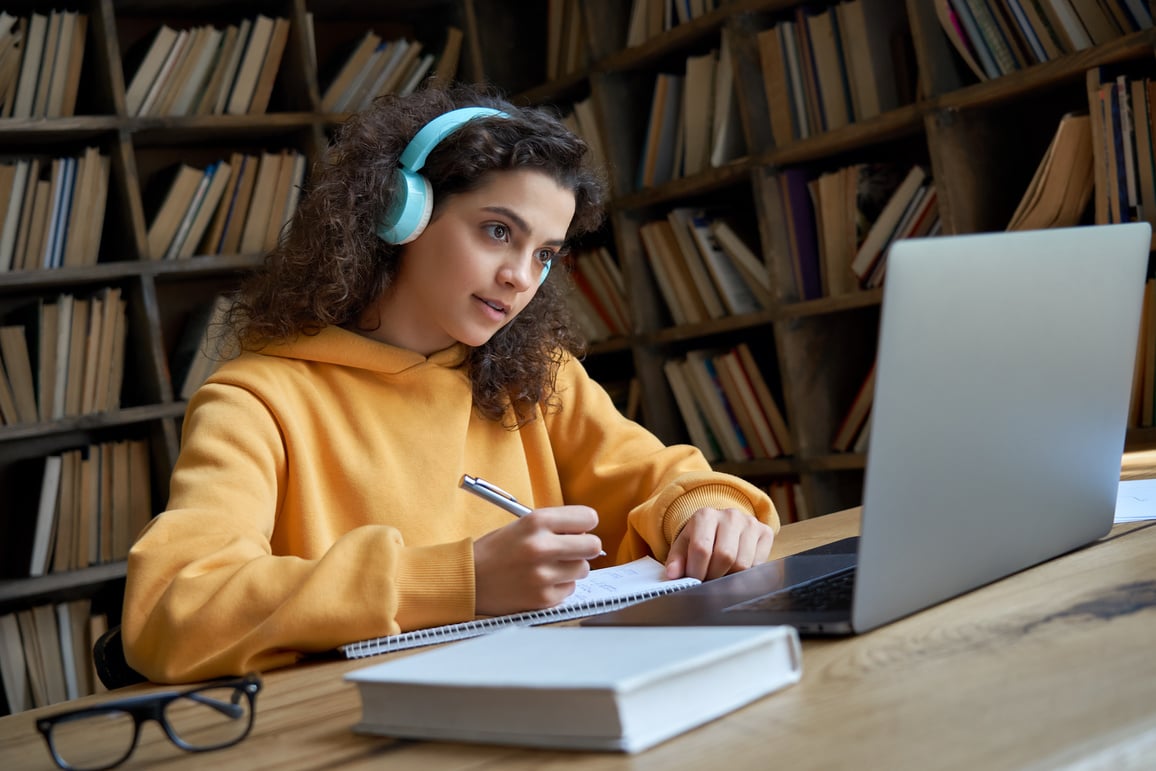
(572,687)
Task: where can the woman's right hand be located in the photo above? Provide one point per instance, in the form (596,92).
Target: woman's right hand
(533,562)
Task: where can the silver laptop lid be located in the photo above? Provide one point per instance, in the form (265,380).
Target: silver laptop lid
(1001,398)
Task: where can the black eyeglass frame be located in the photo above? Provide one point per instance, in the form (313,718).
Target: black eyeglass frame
(152,707)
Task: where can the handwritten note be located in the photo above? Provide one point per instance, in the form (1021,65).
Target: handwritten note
(1136,500)
(642,574)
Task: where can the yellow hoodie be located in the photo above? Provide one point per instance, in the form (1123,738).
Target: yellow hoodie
(315,502)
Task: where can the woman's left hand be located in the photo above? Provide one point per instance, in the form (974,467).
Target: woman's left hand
(715,542)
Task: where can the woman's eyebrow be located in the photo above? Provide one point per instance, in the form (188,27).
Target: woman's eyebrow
(520,223)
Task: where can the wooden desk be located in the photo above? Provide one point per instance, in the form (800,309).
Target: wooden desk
(1052,668)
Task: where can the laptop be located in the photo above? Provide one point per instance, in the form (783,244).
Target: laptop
(1003,380)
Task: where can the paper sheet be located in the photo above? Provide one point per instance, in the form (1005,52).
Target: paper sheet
(1136,500)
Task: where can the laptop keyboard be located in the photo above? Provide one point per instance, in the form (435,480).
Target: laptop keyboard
(829,592)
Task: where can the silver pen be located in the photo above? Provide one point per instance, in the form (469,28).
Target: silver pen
(494,495)
(497,496)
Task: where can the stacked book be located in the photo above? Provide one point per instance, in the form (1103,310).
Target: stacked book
(209,71)
(1059,191)
(996,37)
(825,68)
(1121,119)
(40,63)
(704,270)
(694,123)
(729,410)
(234,206)
(63,358)
(93,501)
(566,50)
(52,211)
(375,67)
(599,302)
(787,495)
(651,18)
(45,654)
(854,428)
(841,223)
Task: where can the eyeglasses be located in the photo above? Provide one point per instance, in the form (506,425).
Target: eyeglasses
(208,717)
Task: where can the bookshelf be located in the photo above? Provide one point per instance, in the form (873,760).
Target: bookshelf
(979,138)
(160,296)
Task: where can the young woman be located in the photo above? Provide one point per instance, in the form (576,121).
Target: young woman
(316,499)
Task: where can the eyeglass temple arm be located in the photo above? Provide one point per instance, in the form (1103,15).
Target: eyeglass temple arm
(232,710)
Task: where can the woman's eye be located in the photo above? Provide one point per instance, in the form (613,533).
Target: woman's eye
(545,256)
(498,231)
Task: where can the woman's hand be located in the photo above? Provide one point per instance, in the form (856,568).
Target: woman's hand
(715,542)
(533,562)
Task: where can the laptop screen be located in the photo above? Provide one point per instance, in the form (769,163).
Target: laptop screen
(1002,388)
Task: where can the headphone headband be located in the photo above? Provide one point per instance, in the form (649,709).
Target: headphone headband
(415,153)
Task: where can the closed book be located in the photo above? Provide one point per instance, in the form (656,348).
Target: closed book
(191,213)
(856,415)
(697,424)
(173,209)
(215,187)
(20,367)
(800,215)
(261,205)
(11,223)
(231,65)
(249,69)
(750,265)
(13,669)
(577,688)
(681,219)
(45,516)
(149,68)
(33,45)
(270,66)
(164,79)
(766,400)
(697,106)
(882,230)
(75,62)
(354,64)
(727,141)
(215,77)
(447,65)
(736,294)
(775,83)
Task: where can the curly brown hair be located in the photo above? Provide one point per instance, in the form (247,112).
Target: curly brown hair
(330,264)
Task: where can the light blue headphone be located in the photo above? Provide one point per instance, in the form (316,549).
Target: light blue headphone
(412,205)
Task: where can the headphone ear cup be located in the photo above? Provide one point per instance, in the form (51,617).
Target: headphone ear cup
(410,210)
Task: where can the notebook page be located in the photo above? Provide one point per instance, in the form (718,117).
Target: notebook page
(602,590)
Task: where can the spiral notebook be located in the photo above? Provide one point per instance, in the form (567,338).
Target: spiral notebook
(603,590)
